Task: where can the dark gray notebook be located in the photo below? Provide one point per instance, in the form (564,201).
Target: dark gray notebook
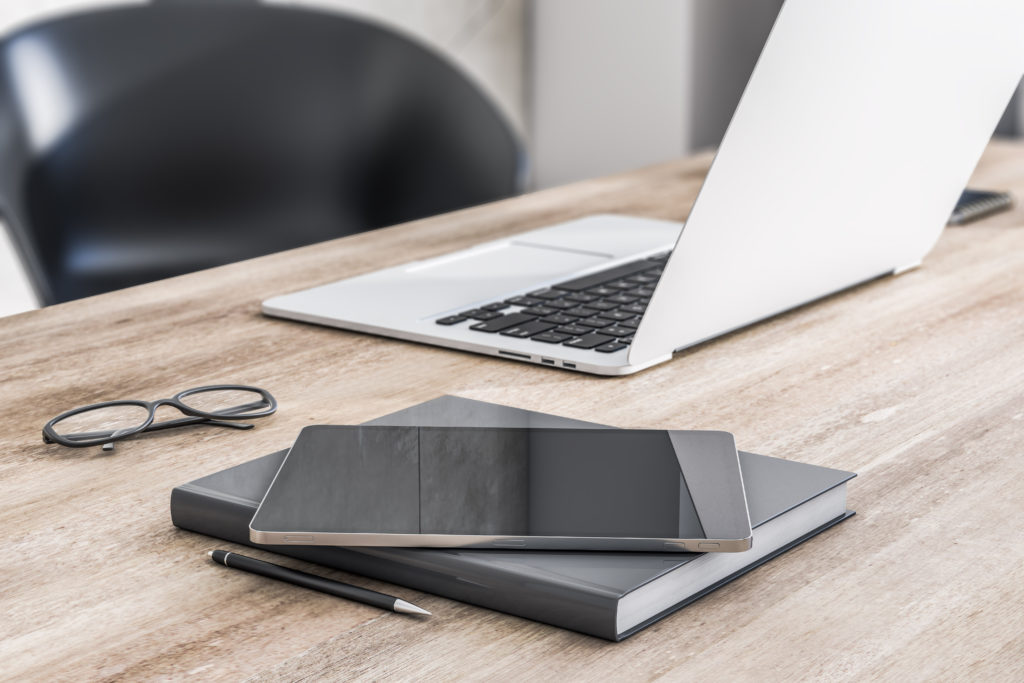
(606,594)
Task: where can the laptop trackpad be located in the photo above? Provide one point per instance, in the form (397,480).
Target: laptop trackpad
(504,269)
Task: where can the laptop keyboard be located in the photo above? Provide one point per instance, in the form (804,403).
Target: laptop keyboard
(600,311)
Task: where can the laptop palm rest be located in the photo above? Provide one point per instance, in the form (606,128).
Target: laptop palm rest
(496,271)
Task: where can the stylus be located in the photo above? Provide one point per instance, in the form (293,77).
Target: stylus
(317,583)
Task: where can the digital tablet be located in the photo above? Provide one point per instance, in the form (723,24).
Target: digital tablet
(568,489)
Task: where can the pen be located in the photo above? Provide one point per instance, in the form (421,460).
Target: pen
(317,583)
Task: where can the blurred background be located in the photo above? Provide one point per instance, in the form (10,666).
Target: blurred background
(586,87)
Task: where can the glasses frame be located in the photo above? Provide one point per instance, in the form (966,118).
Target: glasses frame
(194,416)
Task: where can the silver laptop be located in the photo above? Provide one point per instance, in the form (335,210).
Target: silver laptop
(855,135)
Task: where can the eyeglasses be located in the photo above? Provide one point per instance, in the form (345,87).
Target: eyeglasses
(105,423)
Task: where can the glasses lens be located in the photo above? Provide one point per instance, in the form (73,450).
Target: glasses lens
(227,402)
(105,422)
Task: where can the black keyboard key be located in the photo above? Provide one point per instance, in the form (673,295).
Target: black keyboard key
(450,320)
(642,292)
(479,314)
(602,291)
(621,285)
(616,315)
(503,322)
(580,311)
(610,347)
(497,306)
(626,340)
(620,299)
(581,297)
(523,301)
(631,324)
(560,304)
(589,341)
(560,319)
(635,309)
(548,294)
(616,273)
(527,329)
(537,311)
(550,337)
(618,331)
(642,279)
(572,330)
(602,305)
(594,322)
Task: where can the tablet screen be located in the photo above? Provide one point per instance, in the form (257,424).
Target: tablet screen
(507,482)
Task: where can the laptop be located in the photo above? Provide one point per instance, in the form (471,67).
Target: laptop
(855,135)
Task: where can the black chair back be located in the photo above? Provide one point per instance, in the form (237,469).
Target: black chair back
(139,143)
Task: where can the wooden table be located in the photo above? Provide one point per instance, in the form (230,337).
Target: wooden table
(914,382)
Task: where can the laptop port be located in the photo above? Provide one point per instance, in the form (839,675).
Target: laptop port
(568,365)
(547,361)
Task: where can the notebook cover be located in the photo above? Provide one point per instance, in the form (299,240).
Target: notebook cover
(574,590)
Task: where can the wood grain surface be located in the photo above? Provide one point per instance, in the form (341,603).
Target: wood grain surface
(915,382)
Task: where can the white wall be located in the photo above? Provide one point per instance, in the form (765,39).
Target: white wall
(16,294)
(618,85)
(484,37)
(608,83)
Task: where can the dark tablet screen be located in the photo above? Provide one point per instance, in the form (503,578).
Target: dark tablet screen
(508,482)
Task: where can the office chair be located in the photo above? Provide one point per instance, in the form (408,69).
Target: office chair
(142,142)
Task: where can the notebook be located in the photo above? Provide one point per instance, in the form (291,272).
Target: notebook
(610,595)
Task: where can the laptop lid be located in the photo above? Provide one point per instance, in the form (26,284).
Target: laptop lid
(856,133)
